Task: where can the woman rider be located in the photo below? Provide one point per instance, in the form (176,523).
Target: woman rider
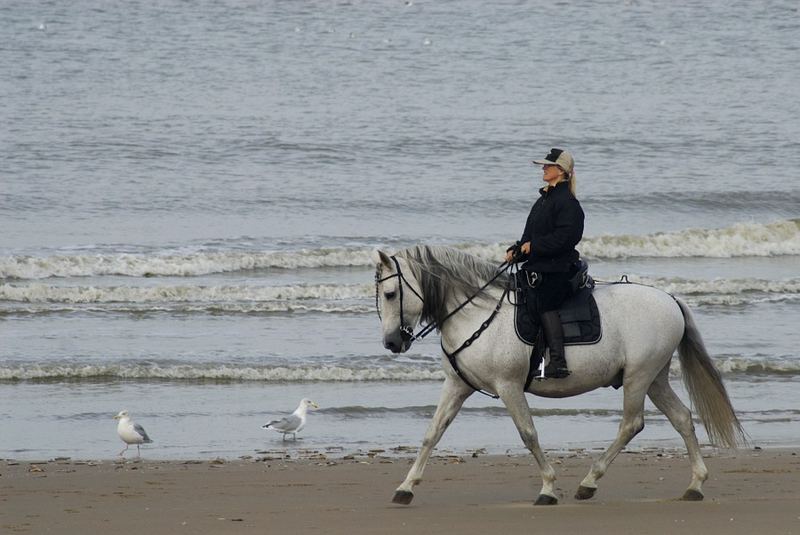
(553,229)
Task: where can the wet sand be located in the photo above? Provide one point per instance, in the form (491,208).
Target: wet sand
(748,491)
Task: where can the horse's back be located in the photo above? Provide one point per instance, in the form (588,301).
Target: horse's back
(639,315)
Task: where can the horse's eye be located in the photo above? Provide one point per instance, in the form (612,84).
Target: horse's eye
(390,295)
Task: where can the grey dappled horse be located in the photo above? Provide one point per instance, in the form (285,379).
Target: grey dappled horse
(642,327)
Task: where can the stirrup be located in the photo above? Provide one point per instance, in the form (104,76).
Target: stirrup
(556,373)
(550,372)
(547,372)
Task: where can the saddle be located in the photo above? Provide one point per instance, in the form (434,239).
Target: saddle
(579,315)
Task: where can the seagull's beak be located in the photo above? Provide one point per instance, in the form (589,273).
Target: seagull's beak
(116,416)
(314,405)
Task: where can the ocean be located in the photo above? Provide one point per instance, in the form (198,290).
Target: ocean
(190,192)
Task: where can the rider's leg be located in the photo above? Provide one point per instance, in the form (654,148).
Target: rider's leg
(552,292)
(554,334)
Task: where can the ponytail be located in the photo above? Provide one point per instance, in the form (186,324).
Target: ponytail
(572,185)
(569,178)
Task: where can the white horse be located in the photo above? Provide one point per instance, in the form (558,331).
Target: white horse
(641,329)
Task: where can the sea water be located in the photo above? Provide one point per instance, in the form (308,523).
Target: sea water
(190,192)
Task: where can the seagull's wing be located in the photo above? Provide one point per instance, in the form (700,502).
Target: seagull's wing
(139,429)
(285,425)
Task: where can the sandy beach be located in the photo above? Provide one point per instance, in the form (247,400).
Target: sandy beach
(748,491)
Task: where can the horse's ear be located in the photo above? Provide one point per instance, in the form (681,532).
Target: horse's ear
(381,258)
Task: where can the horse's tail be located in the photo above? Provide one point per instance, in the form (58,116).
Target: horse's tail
(706,390)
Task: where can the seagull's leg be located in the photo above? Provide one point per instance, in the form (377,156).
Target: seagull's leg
(122,453)
(138,452)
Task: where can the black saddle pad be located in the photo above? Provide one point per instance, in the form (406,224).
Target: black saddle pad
(579,316)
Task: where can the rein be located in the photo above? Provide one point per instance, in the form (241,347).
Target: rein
(407,332)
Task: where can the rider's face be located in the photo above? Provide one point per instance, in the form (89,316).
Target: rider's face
(551,173)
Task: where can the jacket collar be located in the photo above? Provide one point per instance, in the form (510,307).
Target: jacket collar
(558,187)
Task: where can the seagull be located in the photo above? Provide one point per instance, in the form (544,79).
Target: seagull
(294,422)
(130,433)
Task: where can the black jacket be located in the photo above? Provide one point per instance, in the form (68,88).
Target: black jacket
(554,228)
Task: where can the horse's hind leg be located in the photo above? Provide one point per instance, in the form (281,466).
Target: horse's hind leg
(632,423)
(454,393)
(517,405)
(663,397)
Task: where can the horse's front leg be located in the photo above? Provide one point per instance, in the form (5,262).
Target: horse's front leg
(454,393)
(514,399)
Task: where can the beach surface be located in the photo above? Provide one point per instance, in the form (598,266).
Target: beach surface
(748,491)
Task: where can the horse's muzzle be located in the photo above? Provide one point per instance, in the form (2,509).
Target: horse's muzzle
(396,346)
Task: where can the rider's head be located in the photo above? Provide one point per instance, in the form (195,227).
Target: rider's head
(562,160)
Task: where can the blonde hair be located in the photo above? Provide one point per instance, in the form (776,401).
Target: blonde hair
(569,178)
(572,185)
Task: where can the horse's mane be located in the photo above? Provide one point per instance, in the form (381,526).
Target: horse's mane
(444,271)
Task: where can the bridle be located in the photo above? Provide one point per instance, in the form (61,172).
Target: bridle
(406,331)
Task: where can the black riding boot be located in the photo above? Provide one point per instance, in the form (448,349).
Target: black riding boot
(554,334)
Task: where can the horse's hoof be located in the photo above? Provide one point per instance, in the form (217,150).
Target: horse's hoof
(584,493)
(692,495)
(403,497)
(544,499)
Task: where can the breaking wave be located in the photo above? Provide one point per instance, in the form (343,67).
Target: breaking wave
(779,238)
(176,265)
(39,298)
(744,239)
(726,292)
(43,293)
(429,370)
(181,372)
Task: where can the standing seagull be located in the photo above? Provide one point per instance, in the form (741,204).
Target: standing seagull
(294,422)
(130,433)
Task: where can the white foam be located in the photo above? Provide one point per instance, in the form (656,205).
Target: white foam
(218,373)
(726,292)
(177,372)
(743,365)
(43,293)
(779,238)
(176,265)
(744,239)
(326,298)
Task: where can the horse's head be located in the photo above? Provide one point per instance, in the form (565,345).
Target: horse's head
(398,300)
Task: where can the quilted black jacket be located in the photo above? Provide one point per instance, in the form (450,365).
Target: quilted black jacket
(554,228)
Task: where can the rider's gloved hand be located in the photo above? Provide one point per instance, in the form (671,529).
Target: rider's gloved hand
(513,253)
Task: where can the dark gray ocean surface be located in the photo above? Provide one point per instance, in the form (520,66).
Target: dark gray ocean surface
(189,193)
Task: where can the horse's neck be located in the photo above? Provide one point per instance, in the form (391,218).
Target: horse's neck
(460,326)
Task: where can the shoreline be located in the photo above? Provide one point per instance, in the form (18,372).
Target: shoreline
(302,455)
(747,490)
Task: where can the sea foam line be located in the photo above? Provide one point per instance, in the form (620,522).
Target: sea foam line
(324,373)
(744,239)
(43,293)
(741,365)
(275,298)
(176,265)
